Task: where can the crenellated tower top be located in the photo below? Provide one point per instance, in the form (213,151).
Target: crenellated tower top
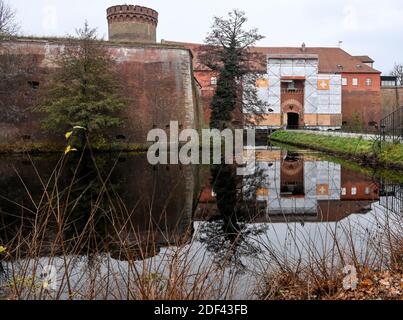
(131,23)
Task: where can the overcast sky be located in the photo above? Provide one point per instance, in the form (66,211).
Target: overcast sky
(369,27)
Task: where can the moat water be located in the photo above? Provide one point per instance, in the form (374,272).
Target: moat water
(115,227)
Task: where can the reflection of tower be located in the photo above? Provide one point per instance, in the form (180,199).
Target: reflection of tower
(130,23)
(292,176)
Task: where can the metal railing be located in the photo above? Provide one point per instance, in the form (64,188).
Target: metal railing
(392,127)
(392,197)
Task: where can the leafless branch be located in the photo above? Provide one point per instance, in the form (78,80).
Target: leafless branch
(8,25)
(398,72)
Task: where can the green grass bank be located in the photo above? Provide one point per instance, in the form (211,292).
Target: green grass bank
(365,152)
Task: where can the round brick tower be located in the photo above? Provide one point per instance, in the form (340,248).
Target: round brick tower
(128,23)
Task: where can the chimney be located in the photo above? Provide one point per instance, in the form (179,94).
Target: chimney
(303,47)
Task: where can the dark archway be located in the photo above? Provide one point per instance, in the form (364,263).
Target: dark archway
(292,121)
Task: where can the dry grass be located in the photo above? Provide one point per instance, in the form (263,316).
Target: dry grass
(374,251)
(130,263)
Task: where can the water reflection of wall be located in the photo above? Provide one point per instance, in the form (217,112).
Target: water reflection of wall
(357,187)
(317,190)
(293,184)
(147,207)
(162,200)
(294,187)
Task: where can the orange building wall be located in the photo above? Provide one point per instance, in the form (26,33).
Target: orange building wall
(361,100)
(376,82)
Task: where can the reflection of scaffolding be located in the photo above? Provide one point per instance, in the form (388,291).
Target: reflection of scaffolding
(392,197)
(315,174)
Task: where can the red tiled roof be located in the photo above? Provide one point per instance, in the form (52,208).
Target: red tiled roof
(331,60)
(364,59)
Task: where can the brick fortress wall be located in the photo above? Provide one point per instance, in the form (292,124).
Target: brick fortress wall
(159,84)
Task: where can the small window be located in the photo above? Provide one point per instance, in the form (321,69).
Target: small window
(354,191)
(386,83)
(291,86)
(34,84)
(26,137)
(368,82)
(367,191)
(343,191)
(120,137)
(389,84)
(344,81)
(213,81)
(355,82)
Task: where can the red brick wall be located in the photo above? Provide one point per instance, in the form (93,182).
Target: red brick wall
(158,81)
(392,99)
(208,90)
(376,82)
(207,94)
(293,101)
(362,100)
(297,95)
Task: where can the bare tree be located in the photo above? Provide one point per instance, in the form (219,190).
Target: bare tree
(228,52)
(398,73)
(8,25)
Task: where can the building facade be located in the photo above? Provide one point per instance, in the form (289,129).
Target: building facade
(293,184)
(293,187)
(308,87)
(297,95)
(324,88)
